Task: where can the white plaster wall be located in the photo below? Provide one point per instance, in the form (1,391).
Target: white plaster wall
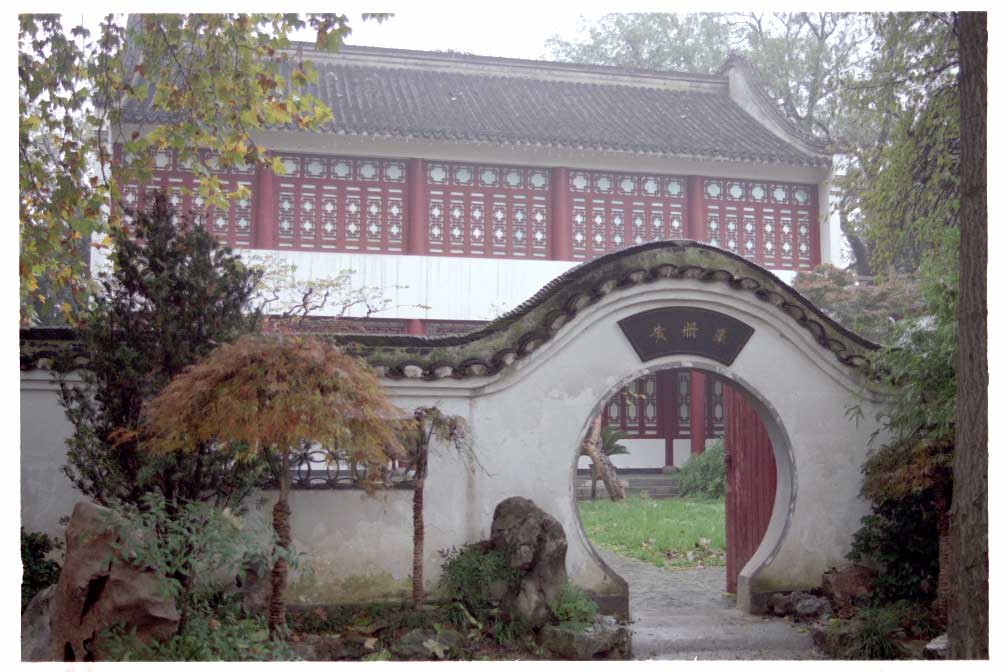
(46,493)
(644,454)
(430,287)
(527,423)
(433,287)
(681,452)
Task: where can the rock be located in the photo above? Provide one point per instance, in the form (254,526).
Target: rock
(36,636)
(832,640)
(424,644)
(318,647)
(782,604)
(534,543)
(810,606)
(846,612)
(846,584)
(255,591)
(97,589)
(601,640)
(937,648)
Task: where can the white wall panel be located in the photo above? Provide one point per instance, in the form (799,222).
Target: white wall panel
(451,288)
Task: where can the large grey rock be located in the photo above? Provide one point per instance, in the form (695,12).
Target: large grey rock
(810,606)
(424,644)
(36,636)
(843,585)
(604,639)
(534,543)
(97,589)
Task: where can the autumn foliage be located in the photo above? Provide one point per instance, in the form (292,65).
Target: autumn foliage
(269,393)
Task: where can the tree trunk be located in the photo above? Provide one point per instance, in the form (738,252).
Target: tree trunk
(601,463)
(969,605)
(944,568)
(278,577)
(418,528)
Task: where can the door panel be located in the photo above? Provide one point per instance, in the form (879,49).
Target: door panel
(750,482)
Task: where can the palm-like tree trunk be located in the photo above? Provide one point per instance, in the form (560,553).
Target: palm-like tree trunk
(278,577)
(418,526)
(601,464)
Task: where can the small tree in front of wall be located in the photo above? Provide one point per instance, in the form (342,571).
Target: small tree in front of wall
(265,395)
(428,424)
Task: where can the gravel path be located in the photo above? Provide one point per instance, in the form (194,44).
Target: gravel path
(684,614)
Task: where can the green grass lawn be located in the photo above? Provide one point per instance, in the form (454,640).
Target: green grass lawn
(664,532)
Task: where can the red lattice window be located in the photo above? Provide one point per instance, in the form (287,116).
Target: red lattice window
(652,406)
(232,226)
(715,407)
(610,211)
(484,210)
(340,203)
(768,222)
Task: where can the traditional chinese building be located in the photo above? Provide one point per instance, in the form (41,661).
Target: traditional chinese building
(462,184)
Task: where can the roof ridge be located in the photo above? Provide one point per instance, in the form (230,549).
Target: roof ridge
(456,57)
(761,94)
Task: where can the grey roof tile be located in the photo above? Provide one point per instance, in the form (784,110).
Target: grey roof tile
(556,109)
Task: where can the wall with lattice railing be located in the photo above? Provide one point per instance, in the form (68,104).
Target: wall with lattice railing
(466,209)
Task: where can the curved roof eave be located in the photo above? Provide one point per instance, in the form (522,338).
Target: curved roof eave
(519,332)
(522,330)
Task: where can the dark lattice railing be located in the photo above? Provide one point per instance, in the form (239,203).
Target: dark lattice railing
(316,467)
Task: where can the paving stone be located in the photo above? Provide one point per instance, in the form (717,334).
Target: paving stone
(684,614)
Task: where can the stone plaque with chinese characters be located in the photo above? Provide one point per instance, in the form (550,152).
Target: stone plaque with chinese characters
(686,331)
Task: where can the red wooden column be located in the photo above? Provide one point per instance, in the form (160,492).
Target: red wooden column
(415,327)
(668,411)
(815,256)
(265,221)
(694,208)
(560,229)
(416,207)
(698,412)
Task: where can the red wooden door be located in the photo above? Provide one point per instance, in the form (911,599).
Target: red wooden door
(750,482)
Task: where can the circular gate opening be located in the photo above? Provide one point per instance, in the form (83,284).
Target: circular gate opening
(696,464)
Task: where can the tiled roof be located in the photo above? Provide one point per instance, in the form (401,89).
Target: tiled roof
(452,97)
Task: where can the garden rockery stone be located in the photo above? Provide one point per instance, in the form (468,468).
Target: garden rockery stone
(97,589)
(534,543)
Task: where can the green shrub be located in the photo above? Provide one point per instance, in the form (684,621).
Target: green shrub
(212,632)
(574,607)
(704,474)
(901,536)
(469,573)
(172,294)
(873,635)
(38,571)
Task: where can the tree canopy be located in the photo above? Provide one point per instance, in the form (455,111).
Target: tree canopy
(266,394)
(171,295)
(213,78)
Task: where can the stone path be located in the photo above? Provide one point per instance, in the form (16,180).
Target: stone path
(684,614)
